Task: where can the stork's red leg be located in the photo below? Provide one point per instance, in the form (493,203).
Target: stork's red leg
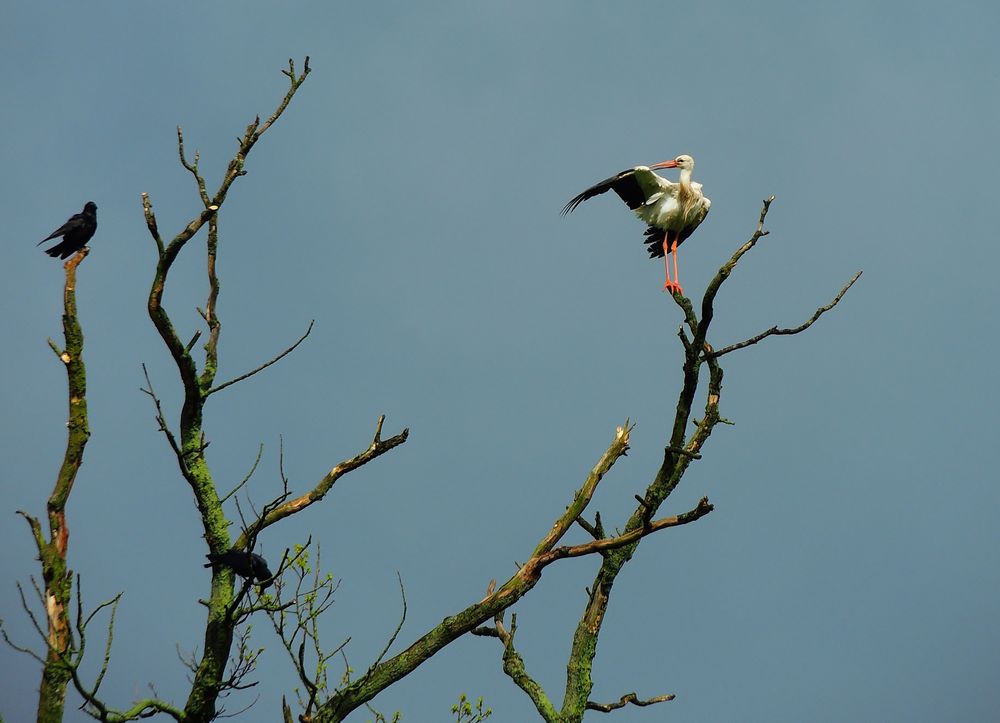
(670,285)
(666,265)
(677,276)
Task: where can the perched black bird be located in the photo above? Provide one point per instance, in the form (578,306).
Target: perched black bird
(247,565)
(76,232)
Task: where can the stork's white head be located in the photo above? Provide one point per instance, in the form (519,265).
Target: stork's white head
(684,162)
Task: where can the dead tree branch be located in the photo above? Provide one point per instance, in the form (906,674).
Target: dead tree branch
(53,552)
(513,667)
(680,450)
(263,366)
(357,693)
(198,383)
(377,448)
(626,699)
(618,449)
(775,331)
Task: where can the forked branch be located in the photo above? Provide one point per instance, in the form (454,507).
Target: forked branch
(618,449)
(613,543)
(187,440)
(348,699)
(377,448)
(681,448)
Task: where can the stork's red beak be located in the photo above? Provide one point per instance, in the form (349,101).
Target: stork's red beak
(665,164)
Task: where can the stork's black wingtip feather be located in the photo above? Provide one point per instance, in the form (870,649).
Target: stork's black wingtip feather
(574,202)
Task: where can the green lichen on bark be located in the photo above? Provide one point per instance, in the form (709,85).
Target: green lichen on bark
(52,552)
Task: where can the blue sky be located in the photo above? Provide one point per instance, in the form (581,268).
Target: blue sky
(408,201)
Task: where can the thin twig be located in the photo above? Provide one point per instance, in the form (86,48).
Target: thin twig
(682,451)
(591,529)
(377,448)
(708,300)
(775,331)
(161,419)
(613,543)
(263,366)
(616,450)
(626,699)
(192,167)
(194,340)
(514,668)
(260,451)
(18,648)
(395,633)
(147,211)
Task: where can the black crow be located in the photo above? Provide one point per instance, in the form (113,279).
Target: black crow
(247,565)
(76,232)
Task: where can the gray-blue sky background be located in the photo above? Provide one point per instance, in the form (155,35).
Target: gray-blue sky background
(408,201)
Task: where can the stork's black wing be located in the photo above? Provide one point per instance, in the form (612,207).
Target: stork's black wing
(624,184)
(654,241)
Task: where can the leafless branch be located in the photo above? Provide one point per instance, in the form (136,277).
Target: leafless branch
(617,450)
(35,525)
(377,448)
(70,659)
(18,648)
(161,419)
(260,451)
(263,366)
(188,661)
(513,666)
(353,695)
(296,81)
(81,626)
(486,631)
(682,451)
(626,699)
(194,340)
(154,231)
(241,711)
(58,352)
(700,328)
(595,530)
(31,613)
(395,633)
(627,538)
(192,167)
(775,331)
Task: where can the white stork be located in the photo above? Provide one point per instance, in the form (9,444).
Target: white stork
(672,210)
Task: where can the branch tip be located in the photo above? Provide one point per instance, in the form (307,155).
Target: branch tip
(626,699)
(775,331)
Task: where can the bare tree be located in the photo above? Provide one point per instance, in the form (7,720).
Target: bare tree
(615,550)
(682,448)
(58,662)
(301,594)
